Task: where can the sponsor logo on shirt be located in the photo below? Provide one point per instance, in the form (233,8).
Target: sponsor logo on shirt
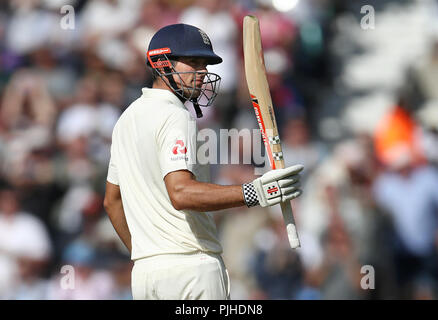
(179,147)
(180,150)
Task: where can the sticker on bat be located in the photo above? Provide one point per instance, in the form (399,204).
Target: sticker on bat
(259,117)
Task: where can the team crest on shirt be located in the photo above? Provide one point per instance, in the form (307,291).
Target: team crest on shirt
(179,151)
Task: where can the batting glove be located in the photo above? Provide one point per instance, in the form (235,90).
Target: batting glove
(273,187)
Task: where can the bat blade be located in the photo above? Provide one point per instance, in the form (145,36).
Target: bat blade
(258,86)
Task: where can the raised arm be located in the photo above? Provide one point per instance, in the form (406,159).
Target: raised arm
(186,193)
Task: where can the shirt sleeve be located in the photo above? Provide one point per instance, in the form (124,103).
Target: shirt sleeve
(112,176)
(176,143)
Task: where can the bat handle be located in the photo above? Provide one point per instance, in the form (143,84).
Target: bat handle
(286,210)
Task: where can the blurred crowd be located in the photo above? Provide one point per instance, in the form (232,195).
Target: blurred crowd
(370,197)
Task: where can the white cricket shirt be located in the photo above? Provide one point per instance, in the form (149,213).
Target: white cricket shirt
(154,136)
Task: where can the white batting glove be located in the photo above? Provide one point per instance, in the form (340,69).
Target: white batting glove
(273,187)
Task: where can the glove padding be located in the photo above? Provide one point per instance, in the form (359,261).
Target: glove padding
(278,185)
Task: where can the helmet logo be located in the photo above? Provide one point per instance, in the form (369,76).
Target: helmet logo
(161,64)
(159,51)
(155,59)
(204,37)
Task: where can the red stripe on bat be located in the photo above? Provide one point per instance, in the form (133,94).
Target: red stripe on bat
(273,190)
(263,129)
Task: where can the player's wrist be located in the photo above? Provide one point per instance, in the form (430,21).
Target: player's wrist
(250,195)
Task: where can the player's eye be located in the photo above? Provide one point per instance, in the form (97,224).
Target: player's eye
(196,63)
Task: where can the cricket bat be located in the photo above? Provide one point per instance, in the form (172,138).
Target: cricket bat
(258,86)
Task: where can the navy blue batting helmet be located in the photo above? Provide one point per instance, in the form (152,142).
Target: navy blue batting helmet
(182,40)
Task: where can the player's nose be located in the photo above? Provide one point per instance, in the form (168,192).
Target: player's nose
(201,76)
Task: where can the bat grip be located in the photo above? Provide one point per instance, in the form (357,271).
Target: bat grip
(288,217)
(292,234)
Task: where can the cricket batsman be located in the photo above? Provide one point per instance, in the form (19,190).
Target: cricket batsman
(158,197)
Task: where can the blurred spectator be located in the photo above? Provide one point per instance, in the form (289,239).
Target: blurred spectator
(339,274)
(112,253)
(80,177)
(333,187)
(59,78)
(25,249)
(426,73)
(106,19)
(26,102)
(340,192)
(428,119)
(397,128)
(135,77)
(30,26)
(156,14)
(277,30)
(285,97)
(298,146)
(409,193)
(90,119)
(33,285)
(120,267)
(277,268)
(27,115)
(80,119)
(87,282)
(407,190)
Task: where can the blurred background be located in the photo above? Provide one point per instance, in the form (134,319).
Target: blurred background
(358,106)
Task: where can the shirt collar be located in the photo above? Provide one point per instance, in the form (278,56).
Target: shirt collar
(162,94)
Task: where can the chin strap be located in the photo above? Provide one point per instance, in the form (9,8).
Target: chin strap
(197,108)
(175,87)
